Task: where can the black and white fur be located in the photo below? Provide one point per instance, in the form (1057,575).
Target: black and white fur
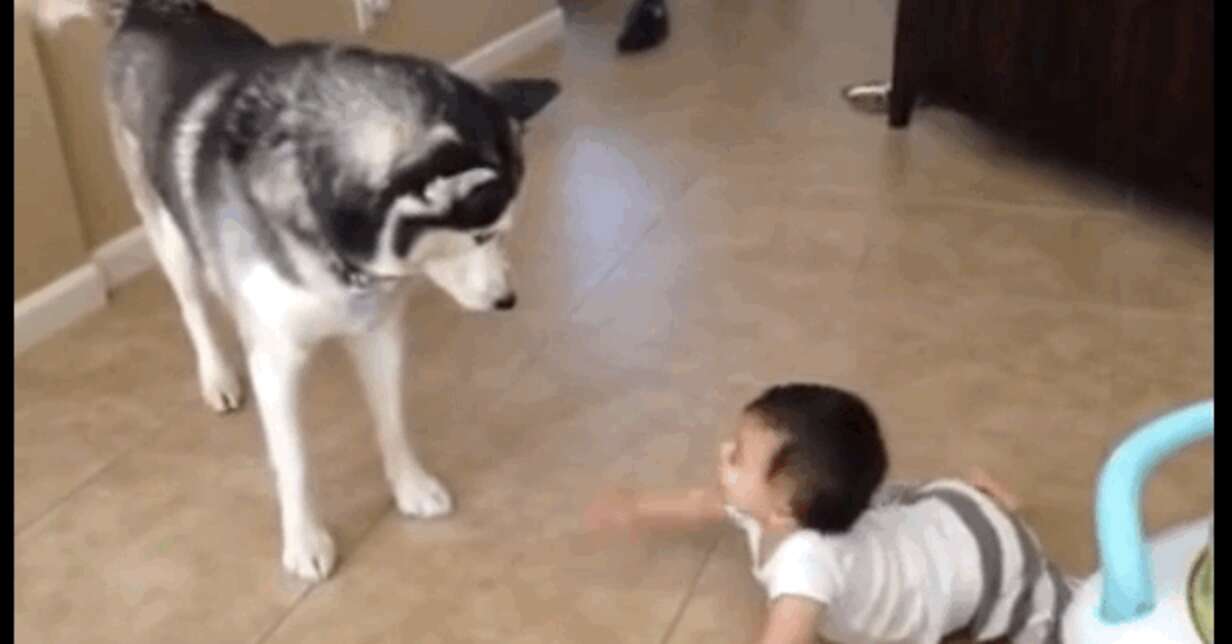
(302,185)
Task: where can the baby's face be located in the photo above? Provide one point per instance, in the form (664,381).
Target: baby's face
(744,462)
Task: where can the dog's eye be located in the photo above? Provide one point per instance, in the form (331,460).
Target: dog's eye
(483,238)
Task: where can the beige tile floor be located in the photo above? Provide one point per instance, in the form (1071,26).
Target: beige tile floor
(700,222)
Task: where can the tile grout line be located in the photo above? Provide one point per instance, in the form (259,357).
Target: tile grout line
(1097,304)
(1028,207)
(307,592)
(684,602)
(30,525)
(141,443)
(145,441)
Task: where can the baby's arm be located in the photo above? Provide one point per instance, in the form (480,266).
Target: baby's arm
(628,509)
(793,620)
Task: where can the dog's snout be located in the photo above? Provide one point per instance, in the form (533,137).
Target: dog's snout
(506,303)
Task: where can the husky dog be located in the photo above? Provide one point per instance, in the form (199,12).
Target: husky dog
(303,185)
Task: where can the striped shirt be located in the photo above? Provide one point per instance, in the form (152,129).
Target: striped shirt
(923,563)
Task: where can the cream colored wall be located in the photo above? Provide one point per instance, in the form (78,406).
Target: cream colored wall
(442,30)
(47,235)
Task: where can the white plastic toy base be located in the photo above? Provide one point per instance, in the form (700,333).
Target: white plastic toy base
(1173,555)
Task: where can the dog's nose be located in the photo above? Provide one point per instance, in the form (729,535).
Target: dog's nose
(507,302)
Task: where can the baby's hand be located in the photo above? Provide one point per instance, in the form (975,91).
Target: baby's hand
(613,510)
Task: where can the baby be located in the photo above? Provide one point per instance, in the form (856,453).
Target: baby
(843,556)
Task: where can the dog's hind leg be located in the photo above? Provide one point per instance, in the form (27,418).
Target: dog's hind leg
(220,385)
(379,359)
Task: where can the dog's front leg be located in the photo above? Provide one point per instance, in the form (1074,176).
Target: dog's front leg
(379,359)
(276,366)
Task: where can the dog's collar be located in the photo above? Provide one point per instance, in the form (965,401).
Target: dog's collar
(355,277)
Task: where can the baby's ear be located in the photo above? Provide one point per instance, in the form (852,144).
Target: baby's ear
(782,517)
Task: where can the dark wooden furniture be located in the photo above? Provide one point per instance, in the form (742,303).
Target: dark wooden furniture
(1126,86)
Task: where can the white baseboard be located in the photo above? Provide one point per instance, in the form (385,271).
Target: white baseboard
(124,257)
(513,46)
(57,305)
(116,262)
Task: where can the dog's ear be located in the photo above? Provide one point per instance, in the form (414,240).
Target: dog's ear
(523,98)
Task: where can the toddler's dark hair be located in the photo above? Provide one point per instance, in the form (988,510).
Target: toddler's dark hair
(833,452)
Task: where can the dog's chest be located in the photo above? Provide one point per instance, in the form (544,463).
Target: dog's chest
(362,310)
(314,314)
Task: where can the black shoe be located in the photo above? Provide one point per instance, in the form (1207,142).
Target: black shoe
(645,27)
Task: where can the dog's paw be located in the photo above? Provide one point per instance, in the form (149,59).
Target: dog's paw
(422,496)
(309,553)
(221,387)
